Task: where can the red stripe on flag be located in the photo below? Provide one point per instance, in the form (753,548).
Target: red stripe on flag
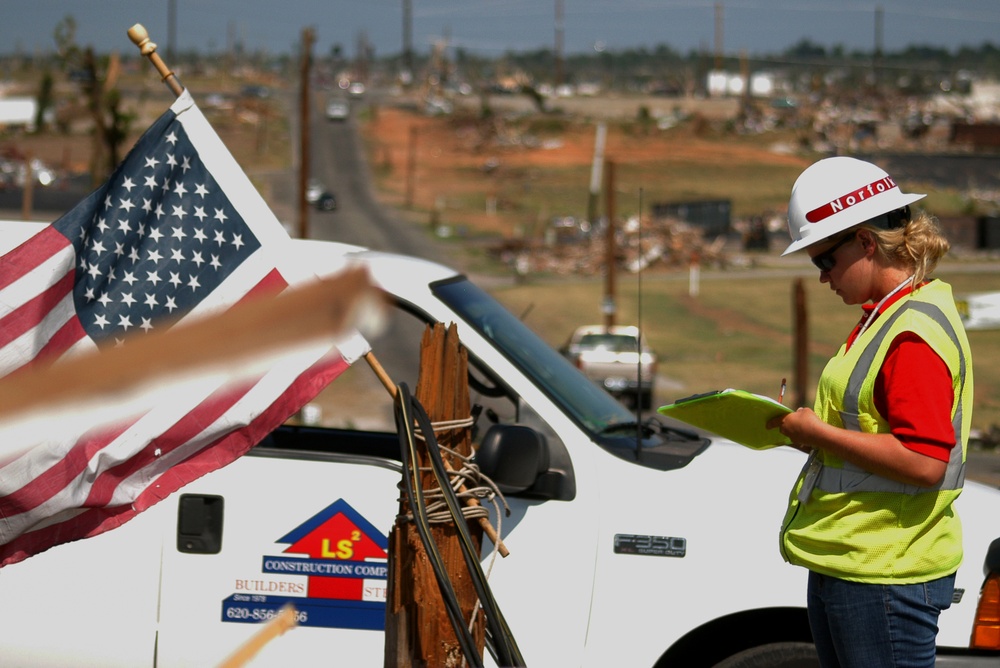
(91,522)
(177,436)
(270,284)
(32,312)
(96,520)
(44,486)
(30,254)
(64,339)
(235,444)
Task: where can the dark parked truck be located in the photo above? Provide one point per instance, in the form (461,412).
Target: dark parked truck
(630,545)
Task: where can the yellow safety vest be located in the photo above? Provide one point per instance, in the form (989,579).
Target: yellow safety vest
(848,523)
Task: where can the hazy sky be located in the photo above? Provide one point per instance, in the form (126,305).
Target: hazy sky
(491,27)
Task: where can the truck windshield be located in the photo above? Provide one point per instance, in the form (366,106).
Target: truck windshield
(592,407)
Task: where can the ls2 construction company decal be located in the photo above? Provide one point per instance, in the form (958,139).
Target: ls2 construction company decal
(337,578)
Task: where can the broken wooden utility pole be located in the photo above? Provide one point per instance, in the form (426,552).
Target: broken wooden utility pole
(596,169)
(801,320)
(608,307)
(28,194)
(411,167)
(418,629)
(308,37)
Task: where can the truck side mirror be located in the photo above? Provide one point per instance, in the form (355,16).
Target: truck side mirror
(992,562)
(512,456)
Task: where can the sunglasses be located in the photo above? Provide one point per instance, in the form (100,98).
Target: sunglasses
(825,260)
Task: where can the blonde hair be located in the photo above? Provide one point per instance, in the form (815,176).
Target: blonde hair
(918,245)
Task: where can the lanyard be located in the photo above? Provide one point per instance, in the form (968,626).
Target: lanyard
(878,307)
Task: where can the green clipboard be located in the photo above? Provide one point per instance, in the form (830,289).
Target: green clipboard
(737,415)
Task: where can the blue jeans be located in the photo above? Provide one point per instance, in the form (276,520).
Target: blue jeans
(858,625)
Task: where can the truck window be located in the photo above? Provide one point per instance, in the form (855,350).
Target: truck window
(608,422)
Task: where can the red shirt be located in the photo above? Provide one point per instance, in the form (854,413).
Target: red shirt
(913,391)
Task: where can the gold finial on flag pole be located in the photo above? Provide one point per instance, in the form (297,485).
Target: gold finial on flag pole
(140,38)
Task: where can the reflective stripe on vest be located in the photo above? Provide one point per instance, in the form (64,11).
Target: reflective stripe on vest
(852,478)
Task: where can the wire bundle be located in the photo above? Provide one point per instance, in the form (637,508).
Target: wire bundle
(409,412)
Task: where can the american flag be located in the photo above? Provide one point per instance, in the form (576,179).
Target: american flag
(177,232)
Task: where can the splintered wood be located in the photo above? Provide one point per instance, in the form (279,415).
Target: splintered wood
(418,630)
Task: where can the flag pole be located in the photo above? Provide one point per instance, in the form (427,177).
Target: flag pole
(283,621)
(140,37)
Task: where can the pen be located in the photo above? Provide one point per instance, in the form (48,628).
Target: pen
(781,394)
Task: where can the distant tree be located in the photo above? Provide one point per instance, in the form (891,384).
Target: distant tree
(535,96)
(44,99)
(98,85)
(805,50)
(923,54)
(65,37)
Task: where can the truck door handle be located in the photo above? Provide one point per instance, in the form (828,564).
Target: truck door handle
(199,524)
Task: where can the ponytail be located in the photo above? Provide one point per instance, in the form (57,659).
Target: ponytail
(916,245)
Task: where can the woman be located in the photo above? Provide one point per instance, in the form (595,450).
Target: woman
(871,514)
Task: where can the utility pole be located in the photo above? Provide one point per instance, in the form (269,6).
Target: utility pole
(745,73)
(559,43)
(171,30)
(801,317)
(877,58)
(411,167)
(718,36)
(408,39)
(608,307)
(600,136)
(28,194)
(418,630)
(308,37)
(361,62)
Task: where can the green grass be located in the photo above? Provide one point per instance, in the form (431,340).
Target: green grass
(738,331)
(753,189)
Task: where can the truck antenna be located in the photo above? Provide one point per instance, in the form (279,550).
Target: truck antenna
(638,338)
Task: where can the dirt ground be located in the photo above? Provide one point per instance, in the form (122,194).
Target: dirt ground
(423,161)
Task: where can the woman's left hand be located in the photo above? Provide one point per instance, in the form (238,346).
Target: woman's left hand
(799,426)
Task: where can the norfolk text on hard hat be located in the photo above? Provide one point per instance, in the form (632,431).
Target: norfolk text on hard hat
(835,194)
(819,213)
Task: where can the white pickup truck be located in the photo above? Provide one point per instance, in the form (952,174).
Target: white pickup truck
(615,357)
(630,545)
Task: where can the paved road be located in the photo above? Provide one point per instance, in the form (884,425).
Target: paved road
(984,466)
(339,162)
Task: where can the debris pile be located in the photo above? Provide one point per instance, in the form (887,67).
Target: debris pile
(581,249)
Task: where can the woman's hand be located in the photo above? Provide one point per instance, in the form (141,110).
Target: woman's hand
(881,454)
(800,426)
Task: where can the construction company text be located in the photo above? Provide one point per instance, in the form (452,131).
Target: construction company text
(326,567)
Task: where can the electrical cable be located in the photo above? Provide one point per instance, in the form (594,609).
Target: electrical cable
(508,653)
(414,494)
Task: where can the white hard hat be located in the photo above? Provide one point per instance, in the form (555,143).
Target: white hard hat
(836,194)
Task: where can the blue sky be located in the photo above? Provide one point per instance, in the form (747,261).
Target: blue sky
(492,27)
